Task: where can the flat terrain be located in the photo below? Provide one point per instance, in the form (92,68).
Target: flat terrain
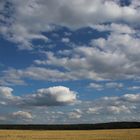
(119,134)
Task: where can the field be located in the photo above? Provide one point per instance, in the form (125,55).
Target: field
(124,134)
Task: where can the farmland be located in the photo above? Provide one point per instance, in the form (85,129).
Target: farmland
(117,134)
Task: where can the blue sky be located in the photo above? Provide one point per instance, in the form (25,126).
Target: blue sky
(69,62)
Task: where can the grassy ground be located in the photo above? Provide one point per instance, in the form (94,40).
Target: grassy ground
(125,134)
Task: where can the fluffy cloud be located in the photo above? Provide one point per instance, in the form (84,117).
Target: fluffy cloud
(134,88)
(75,114)
(126,104)
(96,86)
(11,76)
(108,85)
(16,117)
(6,92)
(2,118)
(82,62)
(65,40)
(114,85)
(132,97)
(117,28)
(114,58)
(29,18)
(7,98)
(94,63)
(118,109)
(93,111)
(17,76)
(52,96)
(23,115)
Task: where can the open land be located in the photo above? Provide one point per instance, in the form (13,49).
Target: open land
(115,134)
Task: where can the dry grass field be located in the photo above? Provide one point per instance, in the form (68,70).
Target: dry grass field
(124,134)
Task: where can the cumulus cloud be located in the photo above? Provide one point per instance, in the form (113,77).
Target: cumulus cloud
(96,86)
(65,40)
(2,118)
(108,85)
(17,76)
(114,85)
(118,109)
(7,98)
(6,92)
(114,58)
(114,108)
(91,61)
(115,27)
(125,104)
(74,115)
(10,77)
(29,18)
(131,97)
(23,115)
(109,58)
(96,110)
(52,96)
(134,88)
(16,117)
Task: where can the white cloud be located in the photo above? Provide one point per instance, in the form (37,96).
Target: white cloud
(29,18)
(134,88)
(73,115)
(94,110)
(114,85)
(118,109)
(114,58)
(10,77)
(108,85)
(124,98)
(96,86)
(41,73)
(110,108)
(7,98)
(114,27)
(6,92)
(65,40)
(16,117)
(52,96)
(23,115)
(132,97)
(16,76)
(2,118)
(135,3)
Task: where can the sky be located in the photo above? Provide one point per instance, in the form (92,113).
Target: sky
(67,62)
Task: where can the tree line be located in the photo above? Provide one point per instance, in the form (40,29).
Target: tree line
(111,125)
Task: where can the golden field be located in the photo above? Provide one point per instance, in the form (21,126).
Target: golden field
(124,134)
